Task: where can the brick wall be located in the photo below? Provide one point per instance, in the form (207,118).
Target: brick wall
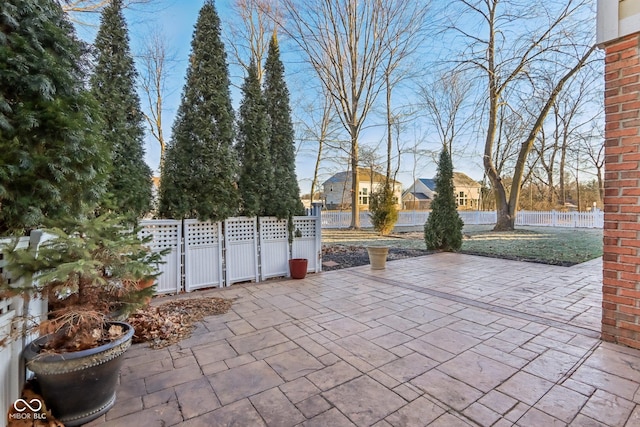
(621,260)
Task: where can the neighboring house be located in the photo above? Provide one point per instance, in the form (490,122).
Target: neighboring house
(337,189)
(421,193)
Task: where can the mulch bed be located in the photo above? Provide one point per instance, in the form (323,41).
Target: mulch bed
(336,257)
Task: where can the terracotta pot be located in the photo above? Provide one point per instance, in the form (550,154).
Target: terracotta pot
(378,257)
(298,268)
(79,386)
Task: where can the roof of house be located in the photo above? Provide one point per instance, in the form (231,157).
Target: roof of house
(459,180)
(365,175)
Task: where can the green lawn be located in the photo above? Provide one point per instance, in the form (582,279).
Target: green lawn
(546,244)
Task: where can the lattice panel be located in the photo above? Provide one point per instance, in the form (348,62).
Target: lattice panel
(240,230)
(164,235)
(202,234)
(273,229)
(5,306)
(306,226)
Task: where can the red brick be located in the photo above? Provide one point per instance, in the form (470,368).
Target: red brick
(630,106)
(626,71)
(610,257)
(624,65)
(633,141)
(630,209)
(612,108)
(622,166)
(620,200)
(630,157)
(620,217)
(631,293)
(630,88)
(629,310)
(623,99)
(626,275)
(608,281)
(631,191)
(627,42)
(630,326)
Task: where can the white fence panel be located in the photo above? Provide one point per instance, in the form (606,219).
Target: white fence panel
(594,219)
(166,234)
(241,243)
(274,248)
(202,254)
(308,245)
(12,320)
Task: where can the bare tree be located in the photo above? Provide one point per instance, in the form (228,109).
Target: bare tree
(523,40)
(347,43)
(77,8)
(249,35)
(445,99)
(156,63)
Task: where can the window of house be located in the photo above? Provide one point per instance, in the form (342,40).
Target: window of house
(462,199)
(363,196)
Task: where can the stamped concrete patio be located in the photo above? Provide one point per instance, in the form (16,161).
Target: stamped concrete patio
(441,340)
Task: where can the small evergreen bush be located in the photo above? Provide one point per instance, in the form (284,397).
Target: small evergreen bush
(443,229)
(382,210)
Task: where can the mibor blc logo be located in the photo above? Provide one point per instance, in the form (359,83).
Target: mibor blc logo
(27,410)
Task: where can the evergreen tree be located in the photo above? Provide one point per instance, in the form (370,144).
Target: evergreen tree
(200,165)
(383,210)
(53,161)
(443,229)
(113,85)
(285,201)
(255,180)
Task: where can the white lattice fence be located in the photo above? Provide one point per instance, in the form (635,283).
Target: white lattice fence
(202,254)
(274,247)
(166,234)
(13,316)
(308,245)
(241,244)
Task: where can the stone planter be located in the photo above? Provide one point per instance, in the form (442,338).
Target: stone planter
(78,386)
(378,257)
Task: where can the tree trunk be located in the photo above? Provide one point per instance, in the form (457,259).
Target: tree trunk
(355,184)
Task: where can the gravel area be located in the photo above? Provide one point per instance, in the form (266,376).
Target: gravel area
(335,257)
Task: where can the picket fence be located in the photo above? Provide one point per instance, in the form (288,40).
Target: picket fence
(203,254)
(593,219)
(15,314)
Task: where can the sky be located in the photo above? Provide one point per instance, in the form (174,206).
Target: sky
(176,19)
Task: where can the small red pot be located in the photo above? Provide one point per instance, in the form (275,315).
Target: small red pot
(298,268)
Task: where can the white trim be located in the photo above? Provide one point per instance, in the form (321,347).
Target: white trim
(607,21)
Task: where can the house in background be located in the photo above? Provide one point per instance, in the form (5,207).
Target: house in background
(421,193)
(337,189)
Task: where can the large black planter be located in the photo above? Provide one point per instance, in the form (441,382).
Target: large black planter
(78,386)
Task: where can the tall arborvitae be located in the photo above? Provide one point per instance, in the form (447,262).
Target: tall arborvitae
(53,160)
(113,85)
(443,229)
(200,165)
(286,192)
(256,176)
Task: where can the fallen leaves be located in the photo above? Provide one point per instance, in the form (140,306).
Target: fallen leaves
(173,321)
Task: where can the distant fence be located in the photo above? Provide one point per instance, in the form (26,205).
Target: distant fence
(207,254)
(594,219)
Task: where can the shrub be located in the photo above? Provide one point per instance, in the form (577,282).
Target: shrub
(383,212)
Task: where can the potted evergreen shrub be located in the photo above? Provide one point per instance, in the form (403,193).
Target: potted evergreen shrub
(90,272)
(384,215)
(297,266)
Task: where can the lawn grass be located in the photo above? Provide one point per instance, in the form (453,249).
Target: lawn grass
(564,246)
